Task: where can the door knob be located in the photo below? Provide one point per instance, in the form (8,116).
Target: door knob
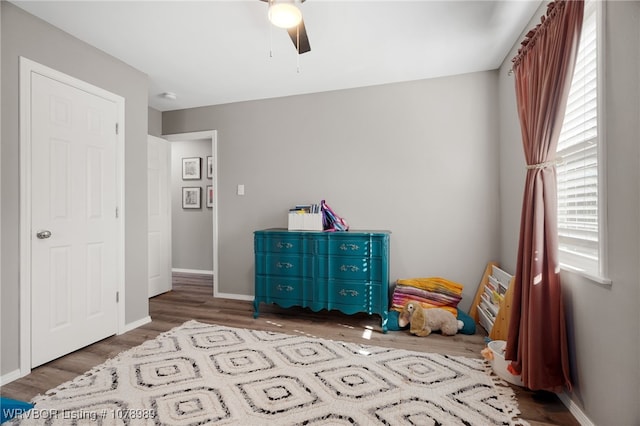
(43,234)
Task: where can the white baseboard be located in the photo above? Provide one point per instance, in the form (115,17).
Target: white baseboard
(233,296)
(215,292)
(191,271)
(575,410)
(10,377)
(16,374)
(136,324)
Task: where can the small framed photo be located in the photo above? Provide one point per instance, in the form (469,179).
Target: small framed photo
(210,167)
(191,168)
(191,197)
(209,195)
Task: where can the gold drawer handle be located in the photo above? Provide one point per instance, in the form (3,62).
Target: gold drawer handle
(280,245)
(352,268)
(280,287)
(352,247)
(284,265)
(344,292)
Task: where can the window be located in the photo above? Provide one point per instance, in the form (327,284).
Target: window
(580,177)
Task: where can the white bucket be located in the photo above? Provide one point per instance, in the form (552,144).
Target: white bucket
(499,364)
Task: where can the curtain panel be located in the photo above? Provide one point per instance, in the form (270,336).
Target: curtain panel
(543,68)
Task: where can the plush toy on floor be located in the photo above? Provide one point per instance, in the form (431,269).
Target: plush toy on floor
(424,321)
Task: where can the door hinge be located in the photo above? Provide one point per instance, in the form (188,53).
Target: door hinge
(117,297)
(117,129)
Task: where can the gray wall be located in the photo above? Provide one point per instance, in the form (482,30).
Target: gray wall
(416,158)
(603,321)
(191,229)
(25,35)
(155,122)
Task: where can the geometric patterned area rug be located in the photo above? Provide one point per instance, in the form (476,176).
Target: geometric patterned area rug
(211,374)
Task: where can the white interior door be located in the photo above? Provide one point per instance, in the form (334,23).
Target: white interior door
(159,193)
(73,222)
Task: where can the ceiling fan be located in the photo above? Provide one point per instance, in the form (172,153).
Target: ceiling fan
(286,14)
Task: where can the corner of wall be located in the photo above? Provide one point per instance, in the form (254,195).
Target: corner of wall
(154,122)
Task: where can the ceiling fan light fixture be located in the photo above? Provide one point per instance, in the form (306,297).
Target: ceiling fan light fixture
(284,13)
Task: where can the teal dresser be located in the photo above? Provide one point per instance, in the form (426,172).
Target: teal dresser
(347,271)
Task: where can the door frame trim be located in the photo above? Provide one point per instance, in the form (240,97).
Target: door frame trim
(27,67)
(213,135)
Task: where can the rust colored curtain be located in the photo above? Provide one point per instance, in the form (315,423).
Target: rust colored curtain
(537,339)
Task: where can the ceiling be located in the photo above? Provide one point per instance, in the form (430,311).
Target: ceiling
(218,52)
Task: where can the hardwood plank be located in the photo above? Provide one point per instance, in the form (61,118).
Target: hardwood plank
(191,298)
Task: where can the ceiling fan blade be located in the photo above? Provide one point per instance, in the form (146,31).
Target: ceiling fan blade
(302,36)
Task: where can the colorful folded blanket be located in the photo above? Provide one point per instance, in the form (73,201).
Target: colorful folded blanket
(437,284)
(434,292)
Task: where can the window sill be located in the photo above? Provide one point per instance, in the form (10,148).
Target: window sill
(594,278)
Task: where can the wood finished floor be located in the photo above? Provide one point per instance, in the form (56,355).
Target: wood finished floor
(191,299)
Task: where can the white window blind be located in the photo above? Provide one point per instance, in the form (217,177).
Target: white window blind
(578,192)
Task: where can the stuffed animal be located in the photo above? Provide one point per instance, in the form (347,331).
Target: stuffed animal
(424,321)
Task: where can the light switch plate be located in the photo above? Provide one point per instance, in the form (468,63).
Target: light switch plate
(240,190)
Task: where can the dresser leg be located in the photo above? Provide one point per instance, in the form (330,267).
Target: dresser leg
(385,318)
(256,303)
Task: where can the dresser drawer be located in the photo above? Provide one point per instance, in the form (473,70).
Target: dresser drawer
(349,293)
(350,246)
(350,268)
(282,244)
(283,265)
(282,288)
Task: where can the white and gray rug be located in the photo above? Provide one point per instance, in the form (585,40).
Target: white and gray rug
(211,374)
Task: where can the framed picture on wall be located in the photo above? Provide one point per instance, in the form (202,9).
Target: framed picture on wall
(191,197)
(191,168)
(209,195)
(210,167)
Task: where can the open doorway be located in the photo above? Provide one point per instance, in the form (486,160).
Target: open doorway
(195,203)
